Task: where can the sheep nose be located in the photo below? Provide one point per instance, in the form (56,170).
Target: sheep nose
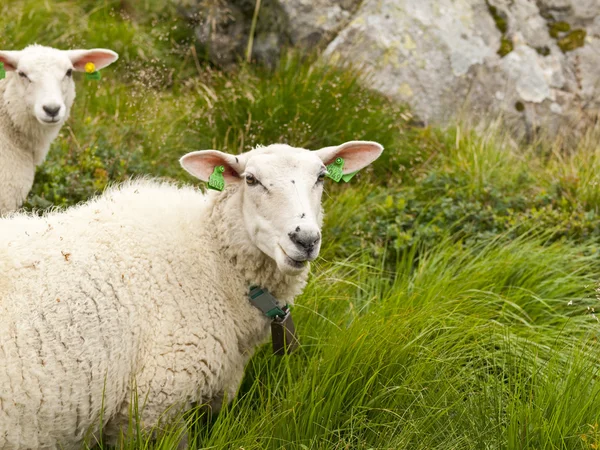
(305,240)
(51,110)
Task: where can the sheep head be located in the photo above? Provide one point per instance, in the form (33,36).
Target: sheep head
(281,189)
(40,81)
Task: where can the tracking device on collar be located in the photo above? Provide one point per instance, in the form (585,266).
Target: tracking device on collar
(283,331)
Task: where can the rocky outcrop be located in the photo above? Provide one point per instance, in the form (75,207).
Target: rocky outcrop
(426,53)
(311,22)
(222,27)
(535,62)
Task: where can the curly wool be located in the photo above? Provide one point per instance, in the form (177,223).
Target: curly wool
(145,286)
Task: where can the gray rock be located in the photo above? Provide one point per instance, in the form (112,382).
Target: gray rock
(313,21)
(423,53)
(222,32)
(223,26)
(523,17)
(223,29)
(442,57)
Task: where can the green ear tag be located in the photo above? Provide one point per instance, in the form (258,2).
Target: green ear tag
(216,181)
(335,170)
(349,176)
(93,76)
(2,71)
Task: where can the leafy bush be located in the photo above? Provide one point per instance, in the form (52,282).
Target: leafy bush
(475,189)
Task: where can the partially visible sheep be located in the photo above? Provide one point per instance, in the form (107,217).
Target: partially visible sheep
(146,287)
(35,100)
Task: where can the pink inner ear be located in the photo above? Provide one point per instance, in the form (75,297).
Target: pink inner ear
(357,155)
(213,161)
(7,64)
(202,166)
(99,58)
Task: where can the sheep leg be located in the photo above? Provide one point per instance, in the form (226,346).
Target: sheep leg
(227,393)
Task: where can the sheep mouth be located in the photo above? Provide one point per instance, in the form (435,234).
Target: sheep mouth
(296,264)
(50,122)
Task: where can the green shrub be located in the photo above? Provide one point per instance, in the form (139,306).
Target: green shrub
(473,189)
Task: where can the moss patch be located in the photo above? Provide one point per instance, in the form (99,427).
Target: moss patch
(567,39)
(501,21)
(555,28)
(544,50)
(572,41)
(506,46)
(499,18)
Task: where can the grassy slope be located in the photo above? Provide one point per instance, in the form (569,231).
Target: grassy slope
(452,305)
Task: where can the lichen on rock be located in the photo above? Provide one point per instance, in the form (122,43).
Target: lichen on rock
(483,55)
(555,28)
(506,46)
(501,21)
(573,40)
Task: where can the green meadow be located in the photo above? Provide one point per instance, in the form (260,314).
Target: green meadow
(454,304)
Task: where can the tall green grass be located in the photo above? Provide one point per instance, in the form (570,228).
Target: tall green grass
(487,346)
(454,302)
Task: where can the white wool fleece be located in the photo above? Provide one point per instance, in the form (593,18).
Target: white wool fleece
(35,101)
(143,289)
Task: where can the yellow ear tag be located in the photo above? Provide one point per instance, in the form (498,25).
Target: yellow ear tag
(90,71)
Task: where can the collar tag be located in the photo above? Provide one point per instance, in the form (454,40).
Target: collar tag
(283,331)
(263,300)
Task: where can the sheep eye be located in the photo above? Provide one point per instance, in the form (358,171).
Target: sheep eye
(69,72)
(22,75)
(321,177)
(251,180)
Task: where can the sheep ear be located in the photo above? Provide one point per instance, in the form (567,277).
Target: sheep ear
(99,56)
(202,164)
(356,154)
(10,59)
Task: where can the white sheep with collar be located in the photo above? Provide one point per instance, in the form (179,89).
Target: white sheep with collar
(35,101)
(146,287)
